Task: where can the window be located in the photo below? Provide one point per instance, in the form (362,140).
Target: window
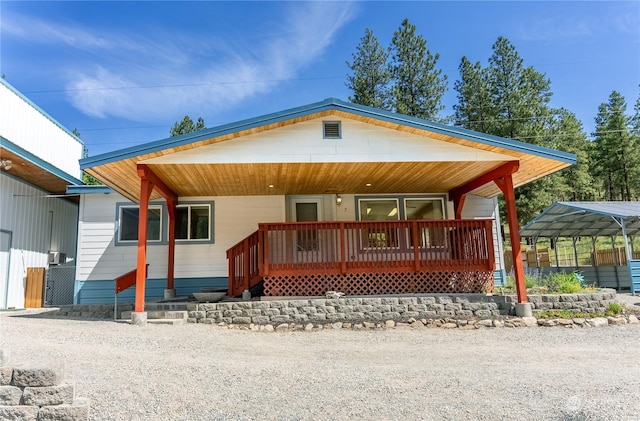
(420,208)
(193,222)
(379,210)
(331,130)
(397,208)
(129,216)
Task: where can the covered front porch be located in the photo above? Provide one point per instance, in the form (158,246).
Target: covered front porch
(329,148)
(365,258)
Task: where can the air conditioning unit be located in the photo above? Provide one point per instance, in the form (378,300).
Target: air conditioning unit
(57,258)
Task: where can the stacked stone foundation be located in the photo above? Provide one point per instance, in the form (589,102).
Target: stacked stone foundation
(39,394)
(399,309)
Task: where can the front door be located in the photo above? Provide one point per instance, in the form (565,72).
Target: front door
(306,209)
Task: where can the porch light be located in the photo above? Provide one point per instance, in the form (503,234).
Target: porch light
(271,186)
(368,185)
(338,200)
(6,164)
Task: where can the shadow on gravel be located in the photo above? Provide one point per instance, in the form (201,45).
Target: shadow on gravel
(49,314)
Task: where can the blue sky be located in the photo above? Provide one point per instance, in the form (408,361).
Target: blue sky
(123,73)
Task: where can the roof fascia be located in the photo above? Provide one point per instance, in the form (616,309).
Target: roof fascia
(89,189)
(327,104)
(591,210)
(28,156)
(40,110)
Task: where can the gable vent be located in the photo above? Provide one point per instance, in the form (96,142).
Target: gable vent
(331,130)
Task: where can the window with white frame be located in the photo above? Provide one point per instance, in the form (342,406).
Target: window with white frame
(128,218)
(193,222)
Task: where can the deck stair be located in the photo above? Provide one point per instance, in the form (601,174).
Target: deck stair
(164,313)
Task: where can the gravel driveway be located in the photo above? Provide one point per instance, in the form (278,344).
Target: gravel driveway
(204,372)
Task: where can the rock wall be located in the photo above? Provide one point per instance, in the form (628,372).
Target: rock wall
(39,394)
(399,309)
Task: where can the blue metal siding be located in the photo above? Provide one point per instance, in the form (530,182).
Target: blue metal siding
(634,269)
(500,277)
(103,292)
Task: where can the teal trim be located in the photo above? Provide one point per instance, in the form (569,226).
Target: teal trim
(24,154)
(88,189)
(327,104)
(32,104)
(634,271)
(500,277)
(103,291)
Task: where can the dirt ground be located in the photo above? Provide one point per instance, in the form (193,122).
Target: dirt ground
(205,372)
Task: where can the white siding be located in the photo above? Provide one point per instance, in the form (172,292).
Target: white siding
(32,130)
(38,225)
(303,142)
(234,219)
(480,207)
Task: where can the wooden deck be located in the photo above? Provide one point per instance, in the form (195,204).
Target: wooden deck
(364,258)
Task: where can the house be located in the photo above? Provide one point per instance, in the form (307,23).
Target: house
(327,196)
(38,224)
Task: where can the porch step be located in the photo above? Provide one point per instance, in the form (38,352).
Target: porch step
(173,322)
(160,315)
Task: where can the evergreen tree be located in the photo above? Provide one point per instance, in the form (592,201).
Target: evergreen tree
(574,183)
(371,74)
(616,153)
(474,110)
(186,126)
(417,86)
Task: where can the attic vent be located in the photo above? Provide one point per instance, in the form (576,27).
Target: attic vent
(331,130)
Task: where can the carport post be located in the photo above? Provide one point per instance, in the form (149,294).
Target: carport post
(629,255)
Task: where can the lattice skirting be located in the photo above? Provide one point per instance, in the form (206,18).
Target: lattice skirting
(302,285)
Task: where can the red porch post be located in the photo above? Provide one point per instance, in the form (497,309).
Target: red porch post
(148,181)
(506,185)
(146,187)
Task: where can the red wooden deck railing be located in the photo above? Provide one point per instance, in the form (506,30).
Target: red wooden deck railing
(294,248)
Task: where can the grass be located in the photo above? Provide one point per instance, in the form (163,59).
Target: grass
(553,283)
(613,309)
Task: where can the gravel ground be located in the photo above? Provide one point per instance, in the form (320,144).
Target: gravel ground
(205,372)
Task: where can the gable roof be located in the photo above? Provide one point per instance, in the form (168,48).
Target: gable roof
(118,167)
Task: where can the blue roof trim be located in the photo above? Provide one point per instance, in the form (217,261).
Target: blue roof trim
(89,189)
(31,103)
(12,147)
(327,104)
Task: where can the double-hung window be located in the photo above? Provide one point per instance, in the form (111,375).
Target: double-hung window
(128,217)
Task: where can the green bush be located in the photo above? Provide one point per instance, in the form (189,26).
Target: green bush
(615,308)
(560,283)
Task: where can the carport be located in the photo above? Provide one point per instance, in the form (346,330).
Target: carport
(592,219)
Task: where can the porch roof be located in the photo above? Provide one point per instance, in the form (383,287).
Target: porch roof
(118,169)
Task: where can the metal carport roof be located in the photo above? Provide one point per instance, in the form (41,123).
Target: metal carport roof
(585,219)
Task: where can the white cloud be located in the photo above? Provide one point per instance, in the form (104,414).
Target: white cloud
(154,77)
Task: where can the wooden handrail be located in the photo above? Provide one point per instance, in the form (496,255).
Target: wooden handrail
(291,248)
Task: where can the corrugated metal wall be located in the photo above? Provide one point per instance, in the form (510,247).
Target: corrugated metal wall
(37,224)
(33,130)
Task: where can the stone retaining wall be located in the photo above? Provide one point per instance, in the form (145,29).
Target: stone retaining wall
(91,311)
(38,394)
(398,309)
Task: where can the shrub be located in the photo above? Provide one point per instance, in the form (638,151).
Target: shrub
(615,308)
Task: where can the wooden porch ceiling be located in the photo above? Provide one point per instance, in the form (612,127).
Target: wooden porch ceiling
(35,175)
(241,179)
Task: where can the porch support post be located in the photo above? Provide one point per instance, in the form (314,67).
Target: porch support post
(458,203)
(171,210)
(506,185)
(146,187)
(145,173)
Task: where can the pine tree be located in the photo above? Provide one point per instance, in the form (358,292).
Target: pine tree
(371,73)
(474,110)
(417,86)
(186,126)
(616,153)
